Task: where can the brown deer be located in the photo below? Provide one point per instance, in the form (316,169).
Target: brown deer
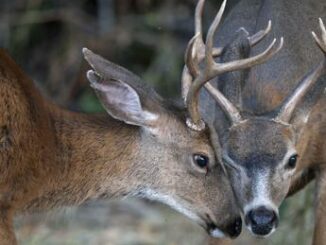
(51,157)
(145,146)
(271,124)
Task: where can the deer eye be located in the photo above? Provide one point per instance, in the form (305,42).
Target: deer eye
(292,161)
(201,160)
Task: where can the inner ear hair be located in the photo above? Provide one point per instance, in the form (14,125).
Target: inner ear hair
(121,101)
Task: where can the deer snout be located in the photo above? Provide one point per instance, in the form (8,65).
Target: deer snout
(261,221)
(232,230)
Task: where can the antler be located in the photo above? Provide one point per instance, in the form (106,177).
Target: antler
(307,82)
(198,51)
(256,38)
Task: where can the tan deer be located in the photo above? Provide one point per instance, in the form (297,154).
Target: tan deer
(271,139)
(50,157)
(145,147)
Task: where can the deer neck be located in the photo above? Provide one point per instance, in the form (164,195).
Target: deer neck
(94,157)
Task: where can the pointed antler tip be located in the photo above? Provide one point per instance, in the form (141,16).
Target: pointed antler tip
(199,6)
(322,26)
(223,5)
(282,40)
(273,42)
(281,43)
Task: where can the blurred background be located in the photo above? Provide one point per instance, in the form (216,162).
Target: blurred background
(149,38)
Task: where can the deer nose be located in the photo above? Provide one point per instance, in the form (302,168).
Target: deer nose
(234,229)
(261,220)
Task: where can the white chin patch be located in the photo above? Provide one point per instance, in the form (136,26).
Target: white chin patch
(217,233)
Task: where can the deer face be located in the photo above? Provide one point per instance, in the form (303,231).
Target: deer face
(258,152)
(189,178)
(260,159)
(172,163)
(201,67)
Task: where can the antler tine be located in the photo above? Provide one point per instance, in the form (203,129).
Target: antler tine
(195,51)
(190,54)
(307,82)
(199,29)
(230,110)
(198,17)
(256,38)
(192,99)
(248,62)
(191,57)
(186,81)
(210,36)
(321,43)
(191,69)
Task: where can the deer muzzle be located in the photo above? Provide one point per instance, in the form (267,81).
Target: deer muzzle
(261,221)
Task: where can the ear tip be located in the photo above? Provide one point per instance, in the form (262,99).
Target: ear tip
(85,50)
(87,53)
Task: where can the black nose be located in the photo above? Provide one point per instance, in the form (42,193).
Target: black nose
(262,220)
(234,229)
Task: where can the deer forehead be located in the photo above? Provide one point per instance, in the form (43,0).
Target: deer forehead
(257,138)
(173,129)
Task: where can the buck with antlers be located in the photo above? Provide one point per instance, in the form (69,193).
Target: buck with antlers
(270,123)
(145,147)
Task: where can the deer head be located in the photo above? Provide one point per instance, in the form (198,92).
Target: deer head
(174,162)
(259,152)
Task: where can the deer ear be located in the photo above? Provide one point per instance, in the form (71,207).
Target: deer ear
(121,101)
(122,93)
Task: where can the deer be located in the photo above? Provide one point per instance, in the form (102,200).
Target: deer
(51,157)
(143,146)
(270,119)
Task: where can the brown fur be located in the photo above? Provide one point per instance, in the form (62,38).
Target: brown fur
(258,144)
(50,157)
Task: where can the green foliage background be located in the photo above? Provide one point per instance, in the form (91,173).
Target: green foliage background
(148,37)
